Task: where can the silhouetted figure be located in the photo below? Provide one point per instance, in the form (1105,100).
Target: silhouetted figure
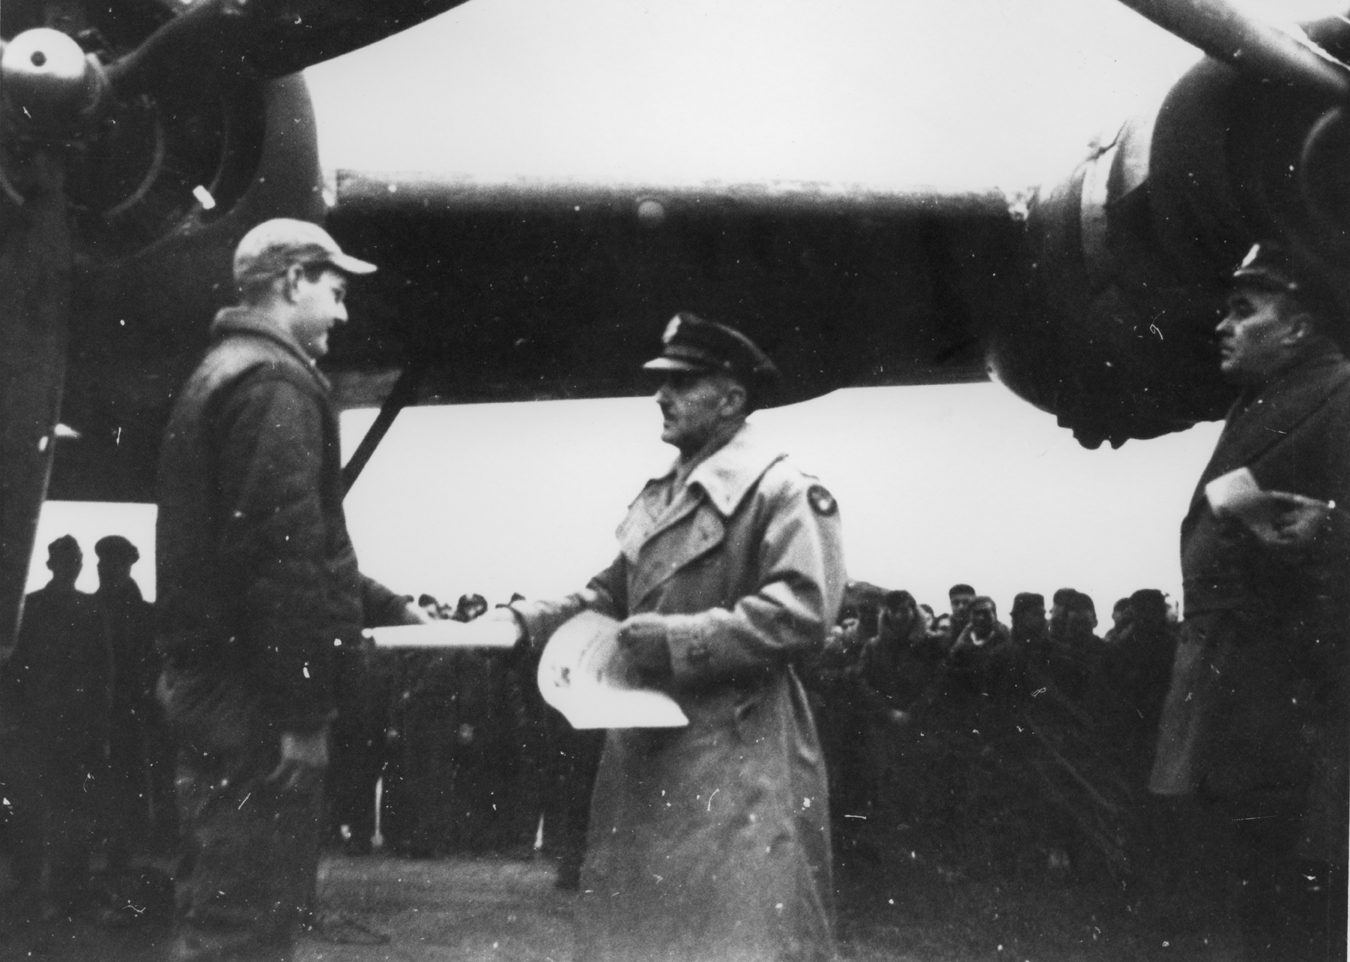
(59,677)
(138,808)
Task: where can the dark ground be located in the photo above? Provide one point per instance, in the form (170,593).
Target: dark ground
(475,910)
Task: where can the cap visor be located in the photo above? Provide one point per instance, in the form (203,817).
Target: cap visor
(674,364)
(350,264)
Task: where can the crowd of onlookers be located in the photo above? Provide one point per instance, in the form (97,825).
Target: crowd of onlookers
(935,728)
(998,744)
(938,727)
(466,754)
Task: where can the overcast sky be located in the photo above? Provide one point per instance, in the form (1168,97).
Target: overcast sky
(935,485)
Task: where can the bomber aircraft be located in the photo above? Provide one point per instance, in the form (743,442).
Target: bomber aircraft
(142,138)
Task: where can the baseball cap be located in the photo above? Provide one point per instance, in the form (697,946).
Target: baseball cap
(274,245)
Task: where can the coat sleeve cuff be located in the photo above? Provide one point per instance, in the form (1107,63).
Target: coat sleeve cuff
(689,638)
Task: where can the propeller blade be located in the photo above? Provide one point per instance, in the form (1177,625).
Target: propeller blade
(1226,34)
(214,41)
(35,280)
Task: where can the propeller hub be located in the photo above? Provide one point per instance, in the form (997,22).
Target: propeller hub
(45,79)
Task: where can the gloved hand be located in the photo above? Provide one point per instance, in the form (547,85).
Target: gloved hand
(643,639)
(1285,523)
(415,614)
(304,758)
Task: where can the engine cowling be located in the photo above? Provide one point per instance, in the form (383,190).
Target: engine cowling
(1127,260)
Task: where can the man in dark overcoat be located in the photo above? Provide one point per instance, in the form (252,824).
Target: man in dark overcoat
(710,843)
(59,675)
(1254,725)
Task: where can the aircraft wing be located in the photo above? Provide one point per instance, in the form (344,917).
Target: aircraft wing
(534,290)
(531,290)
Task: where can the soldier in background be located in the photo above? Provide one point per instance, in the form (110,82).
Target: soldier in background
(1059,613)
(1027,621)
(979,665)
(138,810)
(59,679)
(959,597)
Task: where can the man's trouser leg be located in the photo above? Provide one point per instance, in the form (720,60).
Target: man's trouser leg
(250,848)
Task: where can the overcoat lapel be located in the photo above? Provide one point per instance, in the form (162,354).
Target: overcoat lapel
(699,514)
(664,556)
(1273,416)
(649,515)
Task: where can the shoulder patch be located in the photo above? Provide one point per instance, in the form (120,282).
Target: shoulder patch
(821,501)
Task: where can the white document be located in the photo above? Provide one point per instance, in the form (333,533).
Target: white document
(1232,492)
(447,634)
(585,675)
(1272,515)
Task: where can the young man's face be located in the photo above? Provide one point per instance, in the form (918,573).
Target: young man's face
(320,306)
(982,617)
(1031,618)
(1080,623)
(898,619)
(1254,334)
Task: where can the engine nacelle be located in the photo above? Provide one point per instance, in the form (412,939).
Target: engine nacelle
(1128,259)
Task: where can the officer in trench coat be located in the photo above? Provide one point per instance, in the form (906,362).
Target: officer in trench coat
(712,842)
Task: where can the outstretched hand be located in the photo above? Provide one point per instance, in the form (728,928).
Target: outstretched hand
(415,614)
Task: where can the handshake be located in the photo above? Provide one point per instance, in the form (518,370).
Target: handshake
(642,637)
(496,629)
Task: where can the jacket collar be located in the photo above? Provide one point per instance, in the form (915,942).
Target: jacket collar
(246,320)
(732,470)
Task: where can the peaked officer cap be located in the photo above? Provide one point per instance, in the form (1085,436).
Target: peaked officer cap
(691,343)
(1269,266)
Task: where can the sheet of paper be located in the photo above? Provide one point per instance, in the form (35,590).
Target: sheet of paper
(585,675)
(1232,491)
(447,634)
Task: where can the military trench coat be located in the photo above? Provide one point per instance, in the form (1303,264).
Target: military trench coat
(711,842)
